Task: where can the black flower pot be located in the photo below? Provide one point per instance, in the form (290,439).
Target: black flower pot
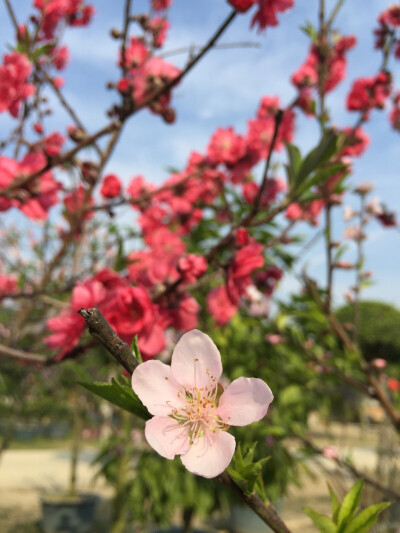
(69,515)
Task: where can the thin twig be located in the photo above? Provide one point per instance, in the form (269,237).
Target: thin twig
(353,470)
(12,15)
(28,357)
(222,46)
(101,330)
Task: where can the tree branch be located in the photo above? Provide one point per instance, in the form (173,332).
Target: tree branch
(266,512)
(101,330)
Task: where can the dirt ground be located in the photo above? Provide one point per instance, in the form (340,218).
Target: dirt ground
(26,474)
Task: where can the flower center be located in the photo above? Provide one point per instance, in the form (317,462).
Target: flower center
(199,412)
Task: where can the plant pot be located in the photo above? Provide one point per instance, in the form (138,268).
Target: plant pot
(65,514)
(244,520)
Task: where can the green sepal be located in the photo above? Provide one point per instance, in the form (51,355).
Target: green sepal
(135,349)
(246,473)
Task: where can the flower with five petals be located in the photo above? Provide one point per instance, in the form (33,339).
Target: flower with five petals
(191,410)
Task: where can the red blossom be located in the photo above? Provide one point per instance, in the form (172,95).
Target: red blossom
(8,284)
(266,14)
(158,27)
(60,57)
(356,143)
(226,147)
(393,384)
(307,212)
(111,187)
(74,203)
(36,197)
(369,93)
(14,86)
(220,305)
(191,267)
(159,5)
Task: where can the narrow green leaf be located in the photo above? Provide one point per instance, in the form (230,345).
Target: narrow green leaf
(309,30)
(320,177)
(335,504)
(120,395)
(323,522)
(135,349)
(363,522)
(41,50)
(318,156)
(349,505)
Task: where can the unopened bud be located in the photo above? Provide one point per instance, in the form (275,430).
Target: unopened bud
(115,33)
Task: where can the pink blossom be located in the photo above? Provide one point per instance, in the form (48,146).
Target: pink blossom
(308,213)
(190,415)
(220,305)
(191,267)
(379,363)
(159,5)
(353,233)
(331,452)
(158,27)
(14,86)
(242,6)
(226,147)
(267,12)
(111,186)
(60,57)
(273,338)
(8,284)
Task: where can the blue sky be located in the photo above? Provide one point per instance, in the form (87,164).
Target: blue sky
(225,90)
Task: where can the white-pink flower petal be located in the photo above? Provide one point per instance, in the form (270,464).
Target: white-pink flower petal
(196,361)
(209,455)
(167,436)
(156,387)
(244,401)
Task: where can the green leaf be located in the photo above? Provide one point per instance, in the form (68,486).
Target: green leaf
(363,522)
(119,394)
(41,51)
(349,505)
(321,176)
(335,504)
(292,168)
(323,522)
(309,30)
(135,349)
(317,157)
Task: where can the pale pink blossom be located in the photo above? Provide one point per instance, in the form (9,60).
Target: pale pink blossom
(190,415)
(348,213)
(331,452)
(273,338)
(379,363)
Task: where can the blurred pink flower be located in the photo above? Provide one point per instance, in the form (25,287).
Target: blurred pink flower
(331,452)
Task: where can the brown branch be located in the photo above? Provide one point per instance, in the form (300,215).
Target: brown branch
(101,330)
(354,471)
(337,328)
(222,46)
(116,125)
(168,85)
(266,511)
(9,191)
(12,15)
(124,35)
(278,120)
(67,107)
(22,355)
